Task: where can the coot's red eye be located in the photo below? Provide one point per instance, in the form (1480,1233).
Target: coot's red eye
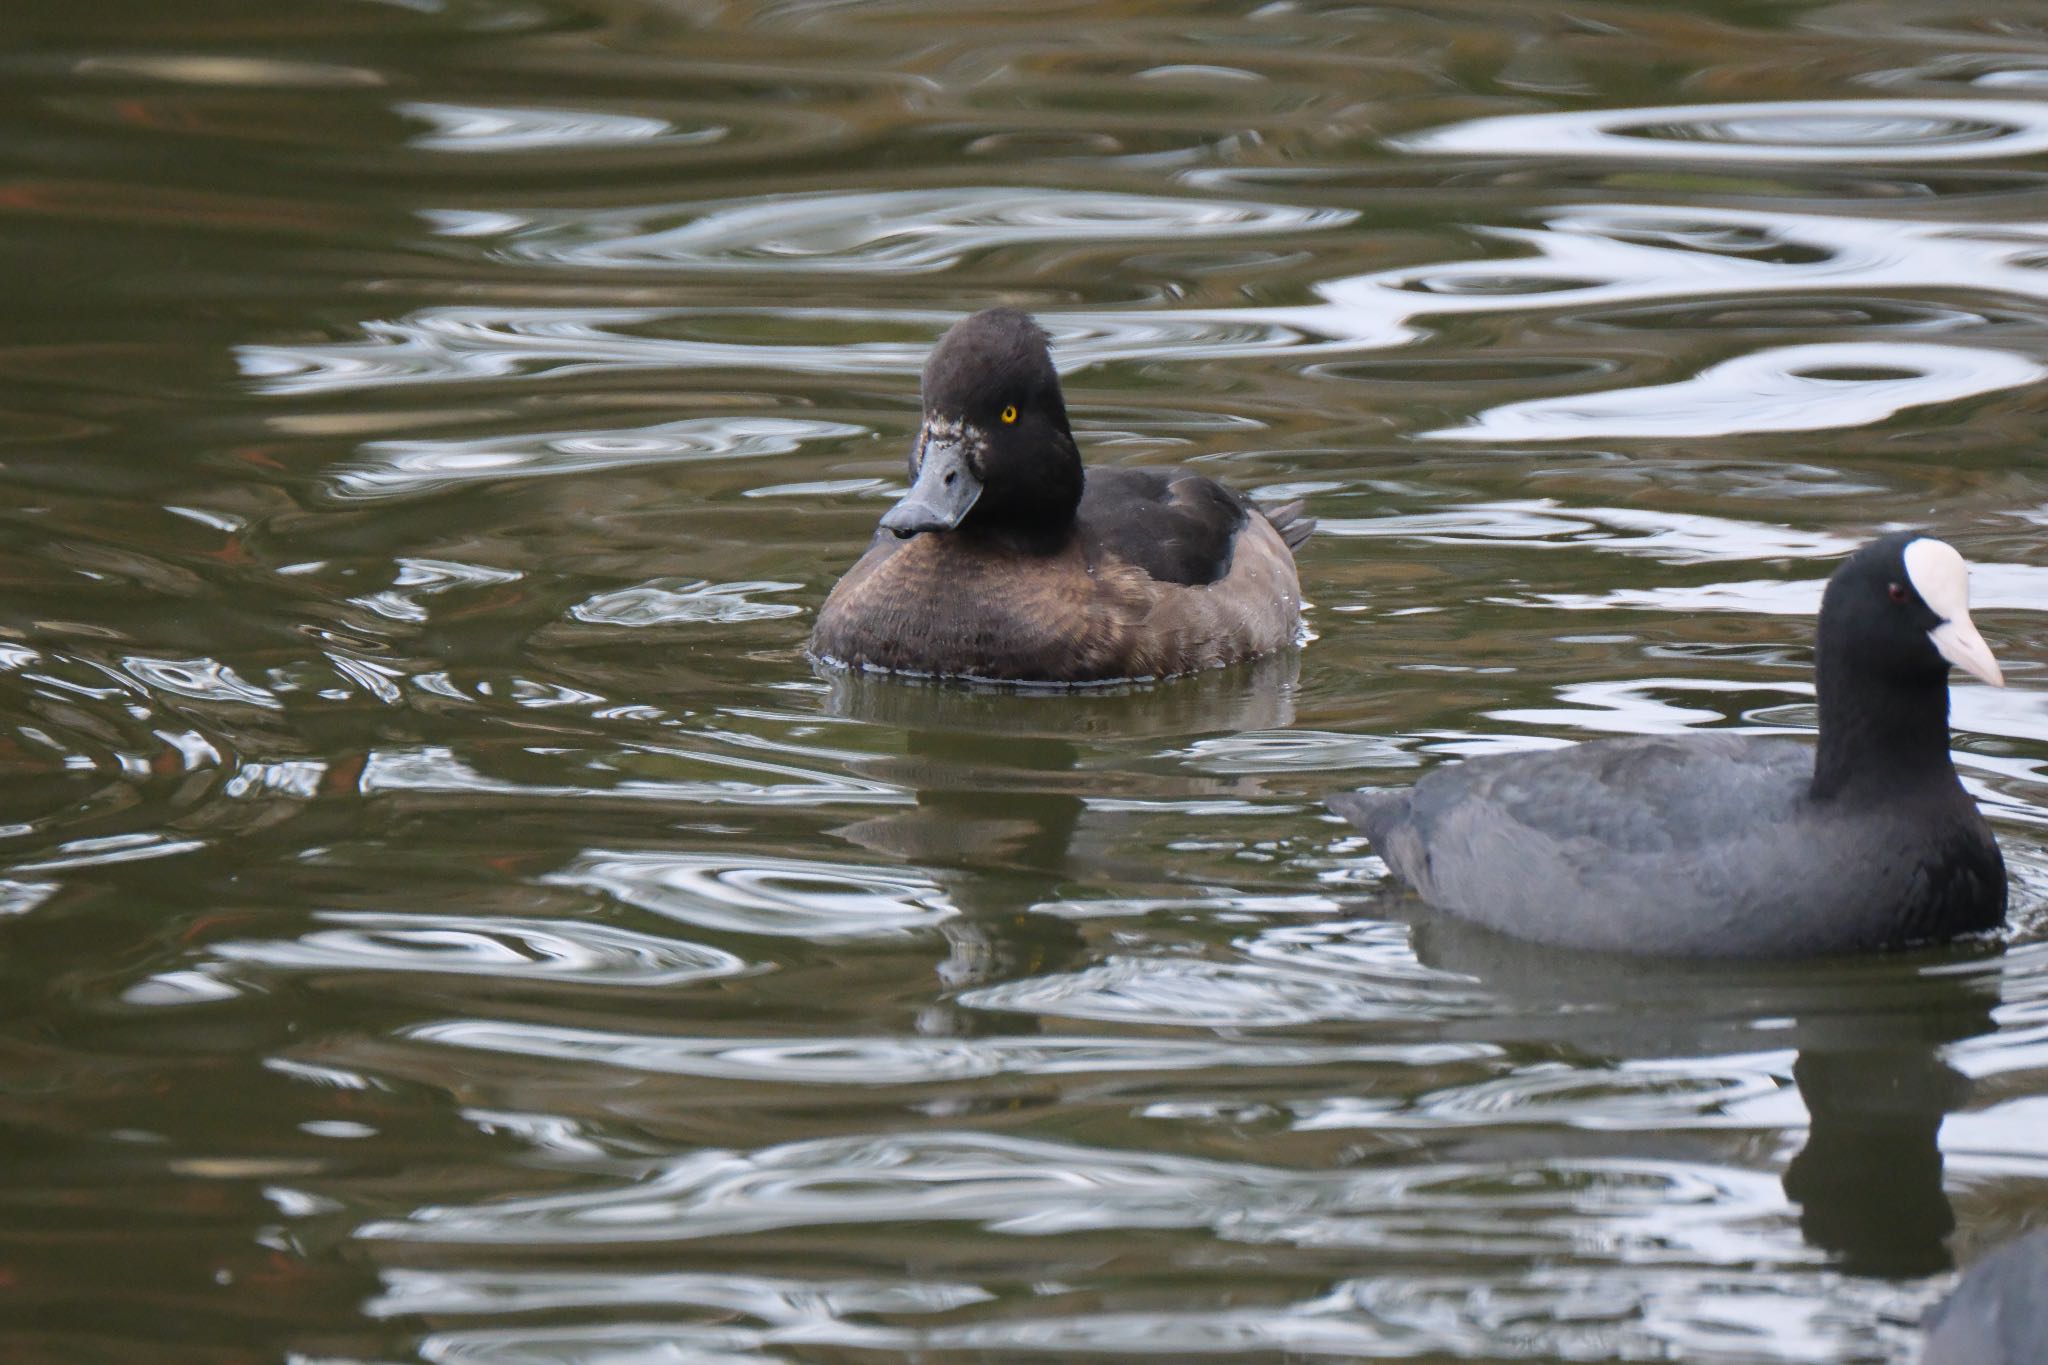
(1898,592)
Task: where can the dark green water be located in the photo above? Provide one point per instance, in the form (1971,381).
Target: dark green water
(445,917)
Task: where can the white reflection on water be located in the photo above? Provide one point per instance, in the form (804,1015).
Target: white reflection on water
(561,951)
(881,231)
(1993,587)
(1668,537)
(1179,992)
(417,578)
(1655,1210)
(1786,388)
(1630,1095)
(1831,132)
(771,1299)
(764,895)
(1584,259)
(1631,1313)
(437,768)
(490,128)
(200,679)
(674,601)
(385,469)
(914,1060)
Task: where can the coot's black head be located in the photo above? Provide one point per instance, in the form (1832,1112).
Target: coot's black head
(1897,613)
(1894,619)
(995,451)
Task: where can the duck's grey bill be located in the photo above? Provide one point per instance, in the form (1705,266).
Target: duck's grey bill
(943,494)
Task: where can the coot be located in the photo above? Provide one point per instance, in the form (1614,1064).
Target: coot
(1725,845)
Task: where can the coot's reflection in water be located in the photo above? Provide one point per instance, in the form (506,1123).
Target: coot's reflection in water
(1868,1034)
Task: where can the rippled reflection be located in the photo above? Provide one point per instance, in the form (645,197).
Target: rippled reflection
(886,232)
(763,895)
(1033,1188)
(1590,259)
(471,128)
(1793,388)
(444,915)
(1825,131)
(387,469)
(539,950)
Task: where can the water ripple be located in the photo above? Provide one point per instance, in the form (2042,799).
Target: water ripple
(482,128)
(1177,992)
(1993,587)
(911,1060)
(388,469)
(763,895)
(1587,259)
(1787,388)
(1621,1313)
(1627,1097)
(765,1298)
(1640,1211)
(437,768)
(1668,537)
(541,951)
(1831,132)
(883,232)
(199,679)
(675,601)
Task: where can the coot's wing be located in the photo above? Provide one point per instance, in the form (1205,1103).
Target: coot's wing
(1615,844)
(1998,1312)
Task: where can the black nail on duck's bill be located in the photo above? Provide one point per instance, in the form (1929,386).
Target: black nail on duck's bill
(946,487)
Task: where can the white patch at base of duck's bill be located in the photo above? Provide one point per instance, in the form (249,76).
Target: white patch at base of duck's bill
(1942,578)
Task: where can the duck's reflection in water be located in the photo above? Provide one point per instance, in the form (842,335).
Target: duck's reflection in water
(1022,792)
(1868,1034)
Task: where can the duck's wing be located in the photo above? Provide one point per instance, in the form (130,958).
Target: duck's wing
(1174,525)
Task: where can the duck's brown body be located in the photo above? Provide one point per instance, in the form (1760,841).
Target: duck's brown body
(1091,608)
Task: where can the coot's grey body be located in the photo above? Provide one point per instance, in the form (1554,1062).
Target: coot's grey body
(1696,845)
(1721,845)
(1998,1312)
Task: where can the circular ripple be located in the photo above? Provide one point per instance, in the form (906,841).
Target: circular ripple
(550,951)
(783,896)
(112,760)
(1780,130)
(1789,388)
(393,469)
(887,231)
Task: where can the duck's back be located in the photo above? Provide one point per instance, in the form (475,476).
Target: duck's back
(1166,571)
(1692,845)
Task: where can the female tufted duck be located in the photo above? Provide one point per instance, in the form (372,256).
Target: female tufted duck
(1007,561)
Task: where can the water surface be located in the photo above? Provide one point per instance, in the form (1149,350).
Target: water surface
(444,916)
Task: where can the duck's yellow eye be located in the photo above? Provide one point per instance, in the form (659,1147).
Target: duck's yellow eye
(1010,414)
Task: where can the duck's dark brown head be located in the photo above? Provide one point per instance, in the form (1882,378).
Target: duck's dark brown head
(995,452)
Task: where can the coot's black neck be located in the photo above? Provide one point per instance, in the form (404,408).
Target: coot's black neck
(1879,734)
